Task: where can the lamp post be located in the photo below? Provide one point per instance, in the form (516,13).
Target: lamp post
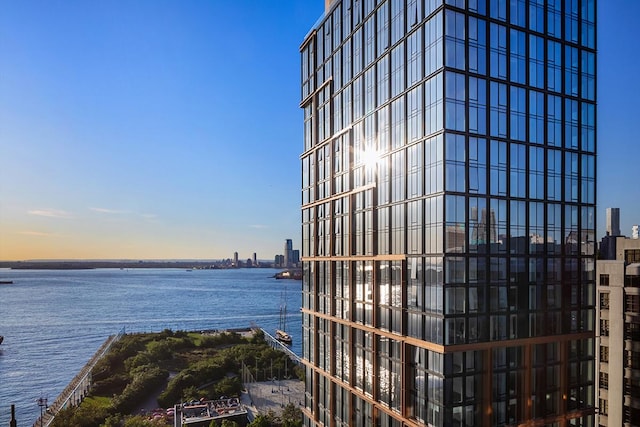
(42,403)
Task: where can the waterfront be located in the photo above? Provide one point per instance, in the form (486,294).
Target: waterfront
(54,321)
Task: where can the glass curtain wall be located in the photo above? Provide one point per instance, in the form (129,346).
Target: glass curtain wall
(448,212)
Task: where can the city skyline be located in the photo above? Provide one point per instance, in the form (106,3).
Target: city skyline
(160,130)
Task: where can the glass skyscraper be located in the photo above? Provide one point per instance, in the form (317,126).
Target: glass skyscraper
(448,213)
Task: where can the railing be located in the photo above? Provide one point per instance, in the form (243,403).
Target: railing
(78,388)
(274,343)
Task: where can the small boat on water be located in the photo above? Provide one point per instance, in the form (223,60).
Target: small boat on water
(1,339)
(6,282)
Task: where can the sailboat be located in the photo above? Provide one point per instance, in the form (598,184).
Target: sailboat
(281,334)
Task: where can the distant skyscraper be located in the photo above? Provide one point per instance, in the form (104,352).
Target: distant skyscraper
(613,221)
(235,259)
(255,259)
(448,213)
(635,232)
(288,253)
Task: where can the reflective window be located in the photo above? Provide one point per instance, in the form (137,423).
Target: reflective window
(588,178)
(518,113)
(554,66)
(498,168)
(415,170)
(536,15)
(433,44)
(414,114)
(588,75)
(477,106)
(433,97)
(479,225)
(571,71)
(370,90)
(498,231)
(477,45)
(398,125)
(588,23)
(397,20)
(498,51)
(554,121)
(369,41)
(455,235)
(382,22)
(554,175)
(414,57)
(518,227)
(498,109)
(536,117)
(477,165)
(498,9)
(571,124)
(518,170)
(414,12)
(536,61)
(434,160)
(518,13)
(517,57)
(554,228)
(536,173)
(383,79)
(478,6)
(397,70)
(455,97)
(356,41)
(571,20)
(571,177)
(554,18)
(455,153)
(455,40)
(587,126)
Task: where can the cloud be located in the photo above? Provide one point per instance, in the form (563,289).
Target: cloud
(108,211)
(50,213)
(35,233)
(149,216)
(259,226)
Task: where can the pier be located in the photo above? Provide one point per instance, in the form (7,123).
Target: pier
(274,343)
(79,387)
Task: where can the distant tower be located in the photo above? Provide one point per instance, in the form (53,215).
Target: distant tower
(235,259)
(635,232)
(255,259)
(288,253)
(613,221)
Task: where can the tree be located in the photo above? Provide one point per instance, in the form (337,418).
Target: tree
(291,416)
(259,421)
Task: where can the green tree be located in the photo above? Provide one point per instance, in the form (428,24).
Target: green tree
(259,421)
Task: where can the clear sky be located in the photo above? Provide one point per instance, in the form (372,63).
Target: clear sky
(171,129)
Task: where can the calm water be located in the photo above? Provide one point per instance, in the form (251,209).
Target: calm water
(54,321)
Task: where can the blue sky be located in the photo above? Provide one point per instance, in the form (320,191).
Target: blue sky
(171,129)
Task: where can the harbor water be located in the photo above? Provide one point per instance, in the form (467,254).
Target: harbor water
(53,321)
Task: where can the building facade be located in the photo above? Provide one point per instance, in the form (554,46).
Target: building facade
(618,341)
(448,213)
